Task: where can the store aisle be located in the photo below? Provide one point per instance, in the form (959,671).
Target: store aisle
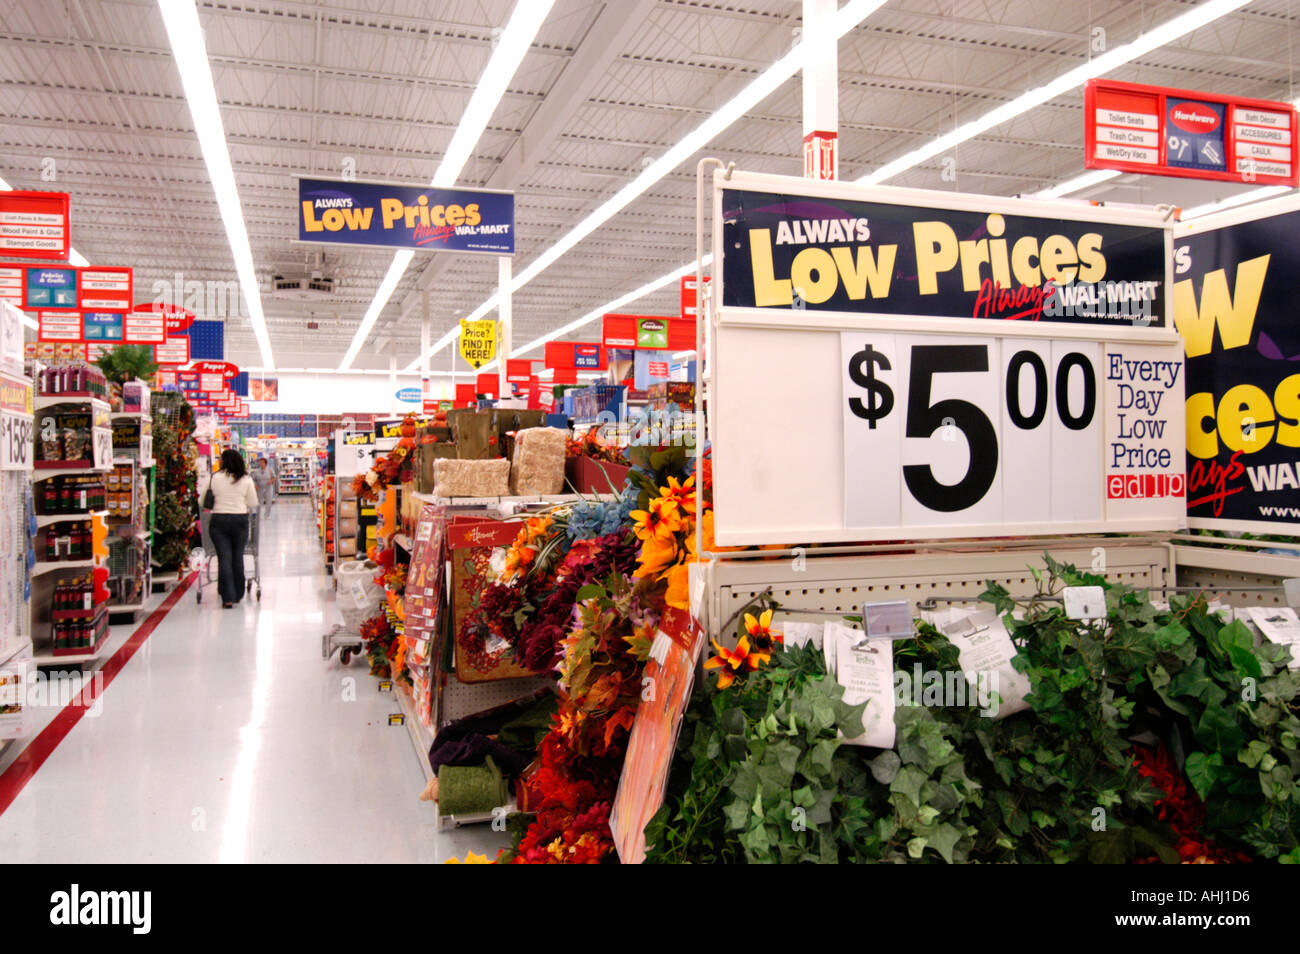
(227,738)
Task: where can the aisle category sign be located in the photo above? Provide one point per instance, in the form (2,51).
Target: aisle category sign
(1234,304)
(1156,130)
(970,366)
(173,351)
(50,287)
(478,342)
(35,224)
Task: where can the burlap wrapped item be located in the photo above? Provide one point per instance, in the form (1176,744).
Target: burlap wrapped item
(538,465)
(426,455)
(471,478)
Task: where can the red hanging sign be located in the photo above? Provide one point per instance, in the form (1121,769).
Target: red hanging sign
(178,319)
(173,351)
(519,370)
(630,332)
(579,355)
(35,224)
(488,383)
(1156,130)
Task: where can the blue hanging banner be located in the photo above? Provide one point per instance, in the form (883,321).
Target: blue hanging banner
(342,212)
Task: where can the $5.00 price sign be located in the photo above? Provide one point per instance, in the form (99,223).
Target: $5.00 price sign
(996,430)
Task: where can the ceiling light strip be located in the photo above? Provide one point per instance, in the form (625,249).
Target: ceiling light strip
(1158,36)
(1154,38)
(513,45)
(190,53)
(758,89)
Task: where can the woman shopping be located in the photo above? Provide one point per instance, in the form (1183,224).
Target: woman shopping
(264,478)
(233,496)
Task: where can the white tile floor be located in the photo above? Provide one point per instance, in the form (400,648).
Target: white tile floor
(227,738)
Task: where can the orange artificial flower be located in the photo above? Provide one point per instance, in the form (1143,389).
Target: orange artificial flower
(760,631)
(732,662)
(681,494)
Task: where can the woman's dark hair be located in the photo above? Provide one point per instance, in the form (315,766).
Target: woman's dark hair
(232,462)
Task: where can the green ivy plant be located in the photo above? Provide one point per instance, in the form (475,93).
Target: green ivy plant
(762,774)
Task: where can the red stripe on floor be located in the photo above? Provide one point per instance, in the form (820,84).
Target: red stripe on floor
(16,777)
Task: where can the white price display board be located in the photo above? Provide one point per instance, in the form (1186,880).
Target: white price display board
(15,441)
(1050,409)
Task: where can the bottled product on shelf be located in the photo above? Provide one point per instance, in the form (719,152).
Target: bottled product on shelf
(73,380)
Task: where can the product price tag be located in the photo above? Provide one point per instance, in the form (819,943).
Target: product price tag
(385,685)
(1085,602)
(396,718)
(888,620)
(15,441)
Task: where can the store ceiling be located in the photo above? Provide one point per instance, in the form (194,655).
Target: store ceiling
(379,85)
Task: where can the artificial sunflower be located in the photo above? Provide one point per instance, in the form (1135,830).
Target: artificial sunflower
(656,556)
(732,662)
(681,494)
(659,521)
(760,631)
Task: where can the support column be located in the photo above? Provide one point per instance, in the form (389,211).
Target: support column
(821,97)
(424,347)
(392,385)
(503,339)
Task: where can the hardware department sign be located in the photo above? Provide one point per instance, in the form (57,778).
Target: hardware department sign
(791,251)
(1172,132)
(341,212)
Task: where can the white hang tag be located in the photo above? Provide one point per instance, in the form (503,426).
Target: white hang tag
(985,652)
(867,675)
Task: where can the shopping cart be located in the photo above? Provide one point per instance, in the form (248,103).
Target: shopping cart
(202,560)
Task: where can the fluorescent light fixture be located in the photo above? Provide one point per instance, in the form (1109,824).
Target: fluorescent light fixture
(1158,36)
(758,89)
(513,45)
(181,19)
(1078,183)
(1242,198)
(1152,39)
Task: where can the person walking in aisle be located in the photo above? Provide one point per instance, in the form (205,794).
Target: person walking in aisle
(264,478)
(233,495)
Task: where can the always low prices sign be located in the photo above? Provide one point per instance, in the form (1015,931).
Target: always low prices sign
(1235,305)
(347,212)
(996,368)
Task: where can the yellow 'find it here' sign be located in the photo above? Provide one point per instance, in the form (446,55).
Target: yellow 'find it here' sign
(478,342)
